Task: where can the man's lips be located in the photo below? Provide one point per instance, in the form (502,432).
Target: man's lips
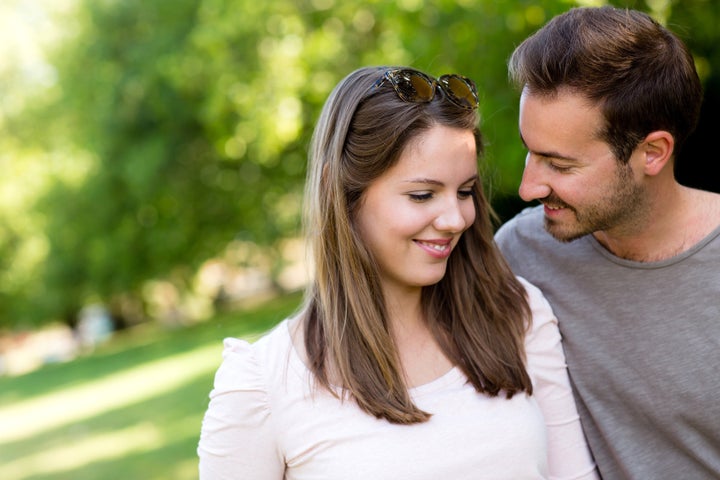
(552,210)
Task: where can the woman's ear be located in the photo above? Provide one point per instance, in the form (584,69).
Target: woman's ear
(658,148)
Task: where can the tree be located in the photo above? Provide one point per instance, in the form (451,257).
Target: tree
(172,129)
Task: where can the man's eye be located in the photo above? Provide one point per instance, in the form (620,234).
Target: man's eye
(560,168)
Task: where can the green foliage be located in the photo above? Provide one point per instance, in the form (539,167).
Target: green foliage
(173,128)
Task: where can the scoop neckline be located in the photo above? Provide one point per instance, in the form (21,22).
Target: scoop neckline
(453,375)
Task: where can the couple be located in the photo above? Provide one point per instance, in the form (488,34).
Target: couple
(422,352)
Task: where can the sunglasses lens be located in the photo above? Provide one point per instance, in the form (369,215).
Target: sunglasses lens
(416,87)
(460,90)
(413,86)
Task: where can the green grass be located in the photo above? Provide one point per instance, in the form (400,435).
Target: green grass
(132,409)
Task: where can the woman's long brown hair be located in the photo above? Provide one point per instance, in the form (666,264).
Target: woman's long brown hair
(478,312)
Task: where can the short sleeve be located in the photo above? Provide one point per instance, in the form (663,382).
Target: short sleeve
(568,453)
(237,439)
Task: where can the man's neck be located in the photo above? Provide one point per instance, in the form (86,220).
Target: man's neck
(677,221)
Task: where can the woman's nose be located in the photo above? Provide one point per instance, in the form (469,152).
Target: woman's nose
(453,217)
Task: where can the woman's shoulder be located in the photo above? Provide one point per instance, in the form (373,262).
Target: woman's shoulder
(250,362)
(239,430)
(543,322)
(539,305)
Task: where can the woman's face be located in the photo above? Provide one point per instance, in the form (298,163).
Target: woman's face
(412,216)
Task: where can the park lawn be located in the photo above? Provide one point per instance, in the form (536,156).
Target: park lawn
(131,409)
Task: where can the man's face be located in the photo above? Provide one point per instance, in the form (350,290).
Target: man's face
(571,171)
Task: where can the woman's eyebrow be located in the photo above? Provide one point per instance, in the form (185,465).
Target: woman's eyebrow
(431,181)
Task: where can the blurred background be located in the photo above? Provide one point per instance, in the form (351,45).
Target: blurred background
(153,157)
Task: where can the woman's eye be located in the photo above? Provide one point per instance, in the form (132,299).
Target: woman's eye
(420,197)
(463,194)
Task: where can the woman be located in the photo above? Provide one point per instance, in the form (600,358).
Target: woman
(417,354)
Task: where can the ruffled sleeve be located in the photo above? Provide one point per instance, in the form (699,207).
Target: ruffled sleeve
(236,439)
(568,454)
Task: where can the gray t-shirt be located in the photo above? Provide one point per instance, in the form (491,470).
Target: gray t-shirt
(642,343)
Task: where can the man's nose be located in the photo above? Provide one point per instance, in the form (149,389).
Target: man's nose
(534,184)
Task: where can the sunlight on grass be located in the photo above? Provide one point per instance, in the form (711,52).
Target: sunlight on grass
(106,446)
(135,413)
(185,470)
(70,405)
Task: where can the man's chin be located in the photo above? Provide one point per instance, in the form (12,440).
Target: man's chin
(562,233)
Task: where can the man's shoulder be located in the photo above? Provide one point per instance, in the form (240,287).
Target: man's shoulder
(531,251)
(528,222)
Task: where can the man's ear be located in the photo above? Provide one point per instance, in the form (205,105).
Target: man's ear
(657,148)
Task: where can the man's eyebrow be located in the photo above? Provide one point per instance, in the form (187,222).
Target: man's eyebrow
(547,154)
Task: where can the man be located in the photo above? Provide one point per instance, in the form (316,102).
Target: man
(628,258)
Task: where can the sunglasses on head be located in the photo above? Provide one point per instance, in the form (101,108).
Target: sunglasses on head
(414,86)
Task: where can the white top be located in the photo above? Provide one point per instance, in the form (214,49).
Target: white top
(265,421)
